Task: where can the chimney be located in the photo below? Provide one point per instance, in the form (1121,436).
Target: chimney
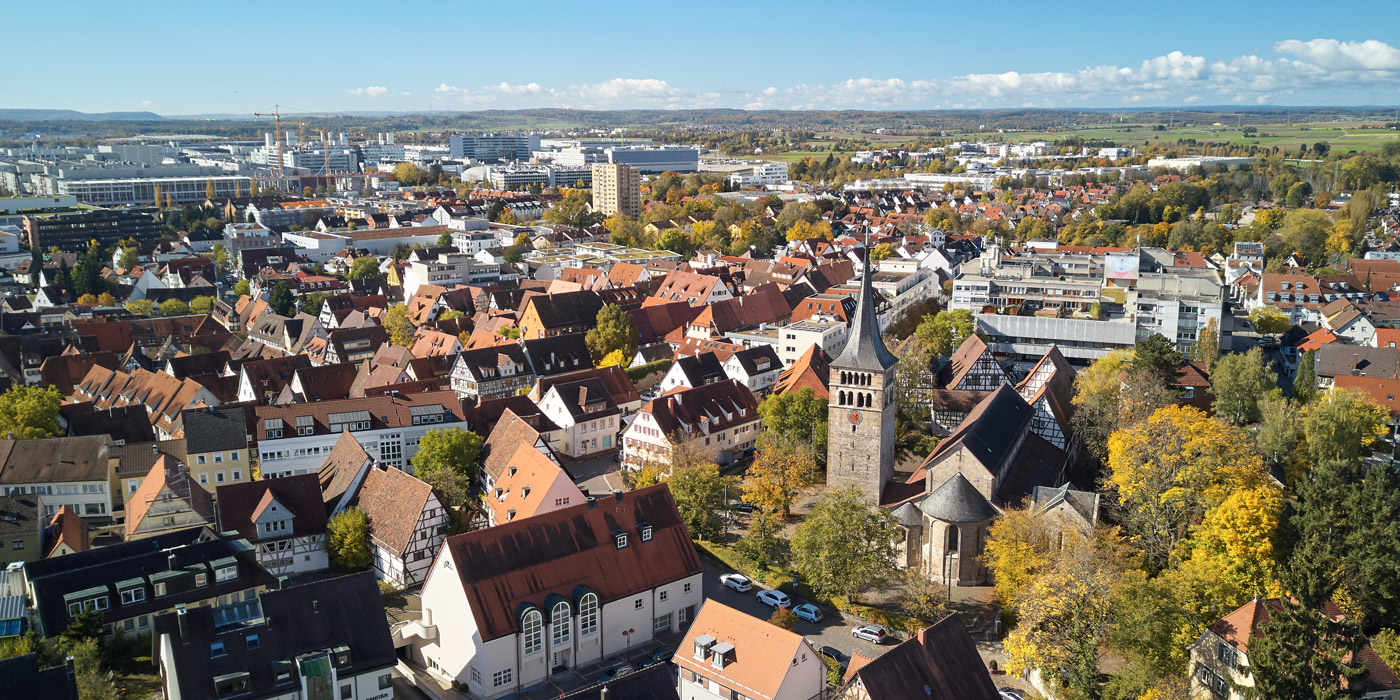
(184,623)
(603,693)
(1355,360)
(591,501)
(617,495)
(583,396)
(170,560)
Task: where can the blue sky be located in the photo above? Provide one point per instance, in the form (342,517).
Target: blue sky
(240,56)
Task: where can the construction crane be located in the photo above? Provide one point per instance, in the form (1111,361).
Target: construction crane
(325,151)
(277,116)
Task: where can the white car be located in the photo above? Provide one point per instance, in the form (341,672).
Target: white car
(774,599)
(738,582)
(870,633)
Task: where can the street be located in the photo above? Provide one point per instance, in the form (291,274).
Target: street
(833,631)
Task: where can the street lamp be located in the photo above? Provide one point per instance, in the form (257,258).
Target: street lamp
(627,634)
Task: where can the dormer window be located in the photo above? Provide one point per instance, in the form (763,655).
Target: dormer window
(645,531)
(702,646)
(720,654)
(620,538)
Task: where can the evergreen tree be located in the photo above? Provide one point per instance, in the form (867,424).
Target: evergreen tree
(1305,382)
(1302,654)
(281,300)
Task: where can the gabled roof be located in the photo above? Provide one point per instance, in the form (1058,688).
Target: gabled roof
(393,500)
(54,460)
(521,488)
(166,473)
(761,656)
(565,309)
(21,677)
(240,505)
(510,433)
(342,466)
(567,553)
(614,378)
(716,406)
(215,429)
(811,371)
(699,370)
(558,354)
(940,663)
(988,432)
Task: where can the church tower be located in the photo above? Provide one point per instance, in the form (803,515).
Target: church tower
(861,410)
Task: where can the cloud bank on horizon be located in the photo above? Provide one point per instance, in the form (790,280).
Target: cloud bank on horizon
(1297,72)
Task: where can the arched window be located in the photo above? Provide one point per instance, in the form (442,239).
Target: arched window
(588,615)
(560,626)
(952,547)
(532,627)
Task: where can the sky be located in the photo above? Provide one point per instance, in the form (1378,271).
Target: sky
(242,56)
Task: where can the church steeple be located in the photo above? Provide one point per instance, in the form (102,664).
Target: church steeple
(865,349)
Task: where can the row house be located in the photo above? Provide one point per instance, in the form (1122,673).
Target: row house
(163,396)
(131,582)
(67,471)
(296,439)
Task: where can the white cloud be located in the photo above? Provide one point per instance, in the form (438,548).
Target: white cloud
(372,91)
(145,102)
(1318,66)
(1343,55)
(526,89)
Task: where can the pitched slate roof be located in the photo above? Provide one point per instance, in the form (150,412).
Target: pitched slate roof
(1336,359)
(614,378)
(558,354)
(21,677)
(686,410)
(940,663)
(240,505)
(296,620)
(393,501)
(220,428)
(865,348)
(957,501)
(569,551)
(566,309)
(702,369)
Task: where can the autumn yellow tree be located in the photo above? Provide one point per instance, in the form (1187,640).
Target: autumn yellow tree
(399,326)
(1064,615)
(1097,392)
(1168,470)
(613,359)
(1235,544)
(780,470)
(106,299)
(1018,548)
(87,299)
(1343,424)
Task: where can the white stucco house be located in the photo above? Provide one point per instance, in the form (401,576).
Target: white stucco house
(510,606)
(284,519)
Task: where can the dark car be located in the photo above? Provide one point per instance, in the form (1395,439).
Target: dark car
(744,507)
(835,654)
(618,670)
(662,655)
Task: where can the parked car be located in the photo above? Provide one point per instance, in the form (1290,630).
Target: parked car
(837,654)
(662,655)
(738,582)
(1010,694)
(871,633)
(775,599)
(744,507)
(618,670)
(808,612)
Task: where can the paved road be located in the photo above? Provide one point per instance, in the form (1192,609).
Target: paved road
(598,474)
(834,630)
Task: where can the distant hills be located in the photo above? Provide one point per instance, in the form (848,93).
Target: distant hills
(48,115)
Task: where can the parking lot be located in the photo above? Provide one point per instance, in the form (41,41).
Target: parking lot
(833,631)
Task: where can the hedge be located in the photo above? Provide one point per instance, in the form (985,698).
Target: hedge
(641,372)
